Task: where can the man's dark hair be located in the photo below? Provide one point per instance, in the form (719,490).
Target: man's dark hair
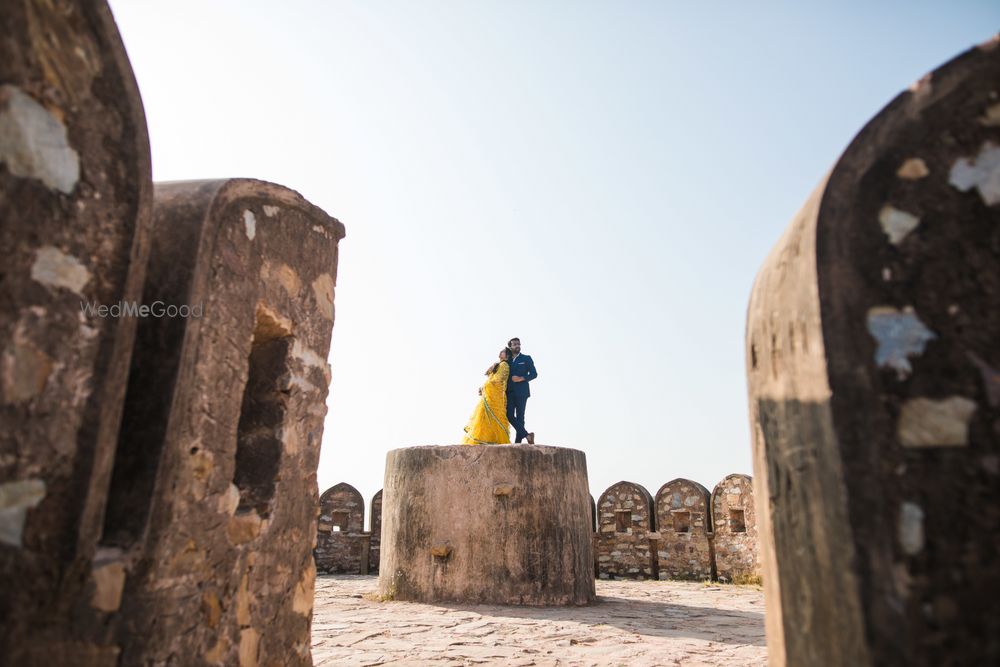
(512,340)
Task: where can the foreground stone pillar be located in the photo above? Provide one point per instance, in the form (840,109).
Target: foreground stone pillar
(873,362)
(505,524)
(75,198)
(212,513)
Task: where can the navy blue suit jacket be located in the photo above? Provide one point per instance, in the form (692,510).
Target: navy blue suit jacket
(524,367)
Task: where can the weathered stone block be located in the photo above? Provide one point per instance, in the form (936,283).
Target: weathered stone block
(376,531)
(341,544)
(624,527)
(735,543)
(532,547)
(214,485)
(683,522)
(872,362)
(75,198)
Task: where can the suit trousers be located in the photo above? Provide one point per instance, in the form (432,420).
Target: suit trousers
(515,415)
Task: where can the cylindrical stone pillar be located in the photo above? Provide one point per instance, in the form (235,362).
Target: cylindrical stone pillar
(503,524)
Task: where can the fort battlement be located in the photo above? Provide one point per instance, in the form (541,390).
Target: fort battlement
(683,532)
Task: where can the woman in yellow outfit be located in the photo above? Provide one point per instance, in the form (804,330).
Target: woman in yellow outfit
(488,424)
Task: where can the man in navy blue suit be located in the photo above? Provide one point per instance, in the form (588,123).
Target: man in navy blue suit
(522,371)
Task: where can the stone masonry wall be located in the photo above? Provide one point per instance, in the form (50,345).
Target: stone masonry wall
(683,546)
(376,533)
(735,528)
(342,544)
(684,524)
(624,530)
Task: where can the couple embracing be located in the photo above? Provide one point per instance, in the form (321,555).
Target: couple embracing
(504,397)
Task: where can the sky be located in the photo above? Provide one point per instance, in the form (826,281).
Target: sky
(601,179)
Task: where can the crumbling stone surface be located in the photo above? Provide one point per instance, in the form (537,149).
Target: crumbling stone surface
(684,524)
(872,370)
(75,212)
(735,535)
(376,532)
(626,543)
(342,545)
(212,507)
(503,525)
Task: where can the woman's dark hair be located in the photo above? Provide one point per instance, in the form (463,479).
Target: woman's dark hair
(493,369)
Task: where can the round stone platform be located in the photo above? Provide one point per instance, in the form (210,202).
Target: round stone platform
(501,524)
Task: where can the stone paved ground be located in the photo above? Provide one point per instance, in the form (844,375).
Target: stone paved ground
(633,623)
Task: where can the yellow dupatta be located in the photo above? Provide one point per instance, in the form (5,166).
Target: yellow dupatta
(488,424)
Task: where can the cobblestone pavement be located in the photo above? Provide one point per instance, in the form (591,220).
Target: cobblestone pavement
(633,623)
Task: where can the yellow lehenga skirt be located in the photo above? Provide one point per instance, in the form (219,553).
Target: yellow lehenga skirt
(488,424)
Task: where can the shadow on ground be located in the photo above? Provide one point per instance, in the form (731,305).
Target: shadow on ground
(655,619)
(642,617)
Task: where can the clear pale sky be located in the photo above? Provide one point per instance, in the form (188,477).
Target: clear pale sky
(601,179)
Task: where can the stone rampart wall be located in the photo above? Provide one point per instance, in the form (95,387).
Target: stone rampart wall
(684,532)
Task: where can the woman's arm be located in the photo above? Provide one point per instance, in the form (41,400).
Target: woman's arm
(501,374)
